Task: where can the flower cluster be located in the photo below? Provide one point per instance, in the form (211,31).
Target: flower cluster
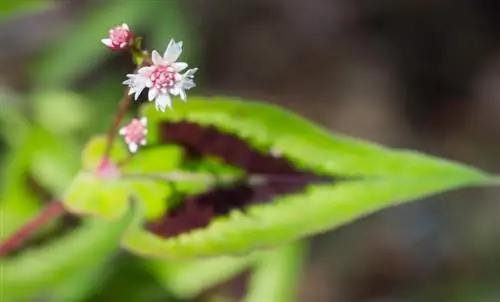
(134,133)
(163,77)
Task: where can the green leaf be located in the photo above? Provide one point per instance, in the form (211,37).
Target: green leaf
(156,160)
(188,279)
(39,270)
(265,127)
(383,178)
(83,284)
(89,194)
(276,276)
(93,152)
(154,196)
(71,111)
(53,161)
(18,203)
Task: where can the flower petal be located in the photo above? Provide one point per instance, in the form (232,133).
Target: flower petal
(182,94)
(157,59)
(190,73)
(153,93)
(132,147)
(107,42)
(172,52)
(163,101)
(174,90)
(188,84)
(146,71)
(125,26)
(137,94)
(179,66)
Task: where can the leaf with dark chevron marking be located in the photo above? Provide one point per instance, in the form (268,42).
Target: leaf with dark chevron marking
(244,175)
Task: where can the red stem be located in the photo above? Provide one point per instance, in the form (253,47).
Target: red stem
(122,109)
(51,212)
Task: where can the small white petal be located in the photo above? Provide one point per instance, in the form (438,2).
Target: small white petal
(153,93)
(163,101)
(146,71)
(157,59)
(144,121)
(143,142)
(190,73)
(179,66)
(137,94)
(107,42)
(172,52)
(132,147)
(188,84)
(122,131)
(182,94)
(125,26)
(175,90)
(131,91)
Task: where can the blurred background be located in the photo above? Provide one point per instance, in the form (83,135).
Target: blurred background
(420,74)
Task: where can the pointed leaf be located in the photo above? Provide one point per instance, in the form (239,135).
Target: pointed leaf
(267,127)
(382,178)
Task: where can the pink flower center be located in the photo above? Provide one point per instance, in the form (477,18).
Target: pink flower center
(120,36)
(163,77)
(134,132)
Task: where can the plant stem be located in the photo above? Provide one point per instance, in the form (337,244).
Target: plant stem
(123,106)
(51,212)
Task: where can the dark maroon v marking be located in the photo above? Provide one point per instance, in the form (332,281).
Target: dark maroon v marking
(281,178)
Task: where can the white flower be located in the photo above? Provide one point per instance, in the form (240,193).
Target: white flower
(119,37)
(163,78)
(135,133)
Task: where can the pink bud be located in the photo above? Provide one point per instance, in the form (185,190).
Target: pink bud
(135,133)
(120,37)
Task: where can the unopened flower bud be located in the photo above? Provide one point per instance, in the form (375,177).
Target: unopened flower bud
(119,38)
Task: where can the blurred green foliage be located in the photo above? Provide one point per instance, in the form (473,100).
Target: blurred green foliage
(8,8)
